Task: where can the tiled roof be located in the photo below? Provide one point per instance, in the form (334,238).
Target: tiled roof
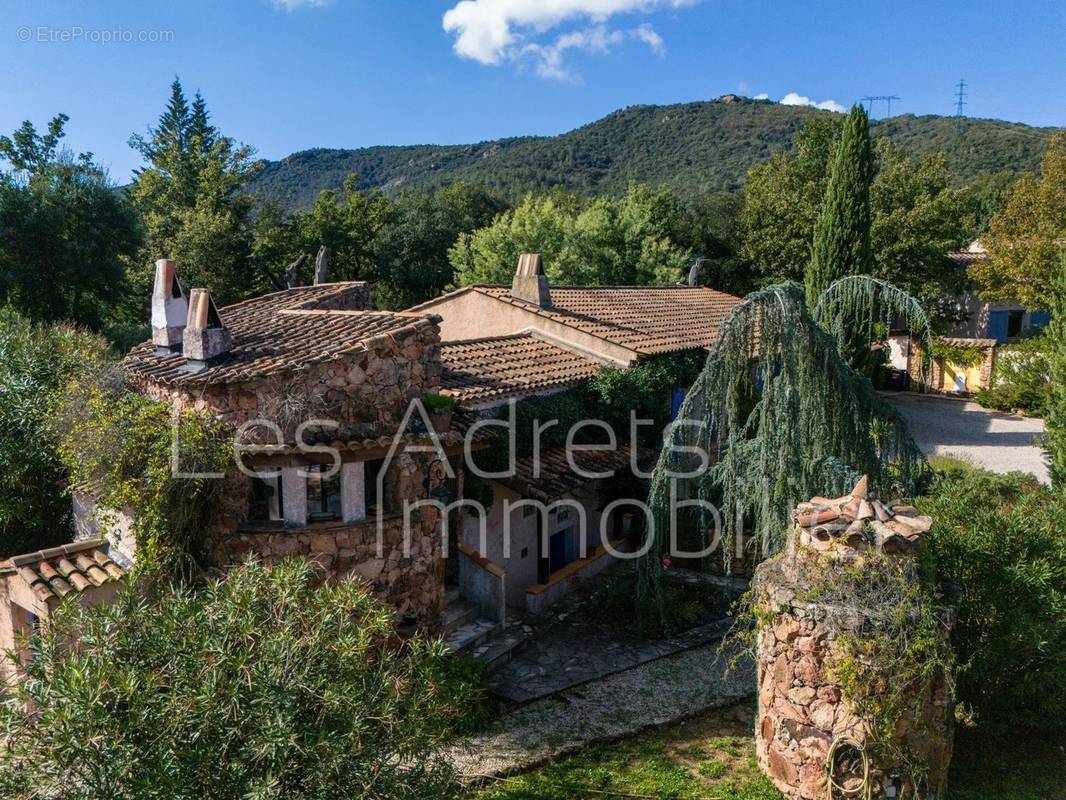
(58,571)
(646,319)
(557,478)
(965,258)
(281,332)
(961,341)
(479,371)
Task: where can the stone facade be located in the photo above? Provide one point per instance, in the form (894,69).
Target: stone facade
(366,392)
(363,393)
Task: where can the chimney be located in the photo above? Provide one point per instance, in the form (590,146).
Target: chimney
(322,265)
(169,309)
(530,283)
(205,338)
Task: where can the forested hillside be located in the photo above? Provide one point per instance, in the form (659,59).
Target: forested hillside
(694,147)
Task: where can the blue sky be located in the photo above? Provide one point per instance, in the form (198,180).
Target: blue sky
(287,75)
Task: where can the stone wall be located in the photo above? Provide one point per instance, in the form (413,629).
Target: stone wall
(367,392)
(409,578)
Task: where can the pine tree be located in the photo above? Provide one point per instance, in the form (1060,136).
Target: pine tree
(192,194)
(1055,419)
(842,233)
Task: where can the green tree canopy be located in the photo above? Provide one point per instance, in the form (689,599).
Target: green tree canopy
(1055,418)
(192,195)
(257,686)
(635,239)
(841,244)
(66,233)
(36,362)
(782,201)
(1027,239)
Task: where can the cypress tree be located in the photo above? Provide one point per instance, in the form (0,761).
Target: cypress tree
(842,233)
(1055,419)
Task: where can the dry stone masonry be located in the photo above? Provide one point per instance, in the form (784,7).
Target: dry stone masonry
(808,730)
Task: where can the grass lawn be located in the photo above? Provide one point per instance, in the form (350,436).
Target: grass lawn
(712,757)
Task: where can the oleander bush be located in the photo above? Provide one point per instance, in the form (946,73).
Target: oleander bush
(260,685)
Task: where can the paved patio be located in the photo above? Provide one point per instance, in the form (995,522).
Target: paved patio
(568,649)
(655,693)
(946,426)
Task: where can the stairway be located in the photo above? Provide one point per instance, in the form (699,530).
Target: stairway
(469,633)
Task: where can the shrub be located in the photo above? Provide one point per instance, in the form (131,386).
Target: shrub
(36,361)
(255,686)
(439,403)
(1000,540)
(1020,378)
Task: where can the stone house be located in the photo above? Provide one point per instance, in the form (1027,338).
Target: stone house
(310,376)
(505,344)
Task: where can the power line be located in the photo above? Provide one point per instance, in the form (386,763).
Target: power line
(886,98)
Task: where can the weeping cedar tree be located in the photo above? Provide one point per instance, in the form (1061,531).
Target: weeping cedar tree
(842,232)
(259,685)
(1055,419)
(782,417)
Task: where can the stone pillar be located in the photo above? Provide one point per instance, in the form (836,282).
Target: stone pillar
(294,496)
(804,618)
(353,491)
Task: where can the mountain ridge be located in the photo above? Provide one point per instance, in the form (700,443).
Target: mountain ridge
(703,146)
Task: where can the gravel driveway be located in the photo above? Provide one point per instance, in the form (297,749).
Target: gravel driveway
(944,426)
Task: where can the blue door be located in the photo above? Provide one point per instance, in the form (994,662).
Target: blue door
(997,325)
(563,549)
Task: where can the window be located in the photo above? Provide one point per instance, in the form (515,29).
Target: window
(323,494)
(1014,324)
(371,475)
(266,498)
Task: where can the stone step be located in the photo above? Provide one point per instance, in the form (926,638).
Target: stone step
(466,637)
(451,596)
(501,648)
(458,614)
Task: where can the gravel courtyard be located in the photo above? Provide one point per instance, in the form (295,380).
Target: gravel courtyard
(999,442)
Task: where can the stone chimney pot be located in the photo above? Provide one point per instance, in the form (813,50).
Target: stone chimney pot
(169,309)
(205,337)
(530,283)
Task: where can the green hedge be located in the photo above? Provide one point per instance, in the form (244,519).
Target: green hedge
(1001,540)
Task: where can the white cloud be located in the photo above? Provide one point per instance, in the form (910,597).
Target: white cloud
(292,5)
(796,99)
(495,31)
(761,96)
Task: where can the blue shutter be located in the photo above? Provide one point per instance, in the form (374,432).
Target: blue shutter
(1039,319)
(997,325)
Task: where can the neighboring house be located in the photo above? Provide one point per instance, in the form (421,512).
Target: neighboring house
(509,343)
(1004,322)
(984,326)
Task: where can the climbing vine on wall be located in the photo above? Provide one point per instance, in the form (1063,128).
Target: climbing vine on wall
(119,446)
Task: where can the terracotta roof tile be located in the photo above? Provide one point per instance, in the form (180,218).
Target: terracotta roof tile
(282,332)
(479,371)
(961,341)
(59,571)
(557,478)
(646,319)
